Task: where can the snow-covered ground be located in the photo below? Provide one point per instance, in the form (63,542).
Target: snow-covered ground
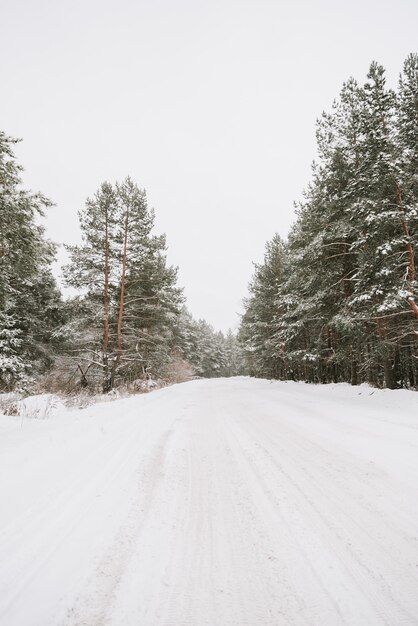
(222,503)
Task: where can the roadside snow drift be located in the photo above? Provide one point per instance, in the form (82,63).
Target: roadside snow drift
(221,503)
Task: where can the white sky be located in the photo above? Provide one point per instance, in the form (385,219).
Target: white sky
(210,106)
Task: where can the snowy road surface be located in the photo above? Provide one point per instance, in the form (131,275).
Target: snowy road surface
(222,503)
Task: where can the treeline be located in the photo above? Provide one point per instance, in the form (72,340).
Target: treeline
(127,325)
(337,300)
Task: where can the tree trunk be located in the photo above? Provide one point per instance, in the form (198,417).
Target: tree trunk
(389,374)
(410,251)
(106,377)
(354,368)
(121,300)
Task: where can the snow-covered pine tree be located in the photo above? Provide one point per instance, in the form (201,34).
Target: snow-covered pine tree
(316,327)
(132,301)
(30,303)
(153,300)
(261,353)
(95,269)
(384,282)
(234,360)
(406,192)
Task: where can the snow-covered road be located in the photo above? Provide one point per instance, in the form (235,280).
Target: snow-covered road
(222,503)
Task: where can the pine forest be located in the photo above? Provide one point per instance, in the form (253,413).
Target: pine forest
(337,301)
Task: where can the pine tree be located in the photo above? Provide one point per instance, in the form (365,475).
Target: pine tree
(132,301)
(30,303)
(261,352)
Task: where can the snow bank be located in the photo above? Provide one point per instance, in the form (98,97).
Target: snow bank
(40,406)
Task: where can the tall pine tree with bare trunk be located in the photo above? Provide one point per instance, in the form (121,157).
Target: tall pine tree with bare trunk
(130,300)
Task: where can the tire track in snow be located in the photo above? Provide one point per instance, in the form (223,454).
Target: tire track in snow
(91,608)
(69,521)
(306,499)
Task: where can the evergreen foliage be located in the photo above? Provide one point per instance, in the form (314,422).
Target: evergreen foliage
(340,302)
(210,353)
(30,303)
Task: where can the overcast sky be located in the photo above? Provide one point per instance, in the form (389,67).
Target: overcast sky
(210,106)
